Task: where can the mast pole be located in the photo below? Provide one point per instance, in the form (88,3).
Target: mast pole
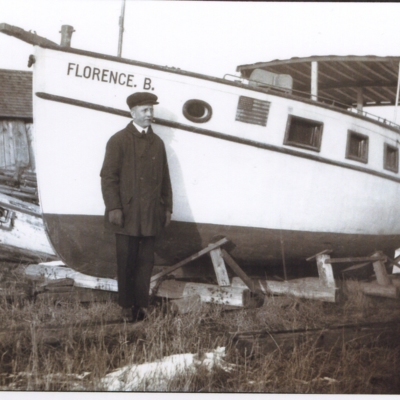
(121,28)
(397,96)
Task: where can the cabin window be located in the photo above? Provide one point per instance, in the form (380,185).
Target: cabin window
(197,111)
(357,147)
(302,132)
(391,158)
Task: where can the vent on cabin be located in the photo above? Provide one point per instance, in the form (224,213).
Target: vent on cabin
(252,111)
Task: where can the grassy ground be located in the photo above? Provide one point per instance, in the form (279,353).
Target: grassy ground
(81,357)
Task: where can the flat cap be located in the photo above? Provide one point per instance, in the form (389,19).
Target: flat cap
(141,99)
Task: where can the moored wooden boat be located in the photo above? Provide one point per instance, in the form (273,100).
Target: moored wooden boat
(278,173)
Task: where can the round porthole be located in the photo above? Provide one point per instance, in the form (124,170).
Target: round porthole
(197,111)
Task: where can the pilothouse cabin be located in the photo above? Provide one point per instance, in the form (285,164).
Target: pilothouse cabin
(345,85)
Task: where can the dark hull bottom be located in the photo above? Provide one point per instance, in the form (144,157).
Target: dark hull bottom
(21,255)
(82,243)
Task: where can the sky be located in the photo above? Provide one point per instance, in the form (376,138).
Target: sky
(205,37)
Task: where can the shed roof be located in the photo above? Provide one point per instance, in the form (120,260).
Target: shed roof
(340,77)
(15,94)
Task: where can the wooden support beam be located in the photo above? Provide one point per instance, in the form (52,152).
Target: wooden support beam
(326,251)
(219,267)
(191,258)
(236,268)
(380,270)
(373,258)
(325,271)
(396,268)
(395,263)
(355,267)
(306,288)
(376,289)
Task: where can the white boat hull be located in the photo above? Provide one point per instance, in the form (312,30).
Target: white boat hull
(229,178)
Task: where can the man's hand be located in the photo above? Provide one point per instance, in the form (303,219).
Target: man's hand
(167,218)
(116,217)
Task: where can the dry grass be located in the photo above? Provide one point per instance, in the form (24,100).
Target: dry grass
(80,357)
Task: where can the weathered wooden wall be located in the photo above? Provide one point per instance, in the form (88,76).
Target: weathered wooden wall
(16,150)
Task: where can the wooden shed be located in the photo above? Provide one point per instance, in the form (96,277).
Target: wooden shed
(16,121)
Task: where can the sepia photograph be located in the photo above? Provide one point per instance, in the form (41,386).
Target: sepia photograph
(199,197)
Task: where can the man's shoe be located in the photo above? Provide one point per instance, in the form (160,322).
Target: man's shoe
(126,314)
(138,314)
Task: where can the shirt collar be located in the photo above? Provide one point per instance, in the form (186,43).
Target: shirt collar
(140,128)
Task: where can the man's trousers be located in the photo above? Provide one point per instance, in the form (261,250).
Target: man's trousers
(135,261)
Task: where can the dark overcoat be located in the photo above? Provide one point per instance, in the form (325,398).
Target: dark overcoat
(135,178)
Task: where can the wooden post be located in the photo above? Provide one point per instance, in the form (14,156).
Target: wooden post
(397,96)
(360,100)
(29,136)
(219,267)
(325,271)
(314,80)
(380,271)
(396,270)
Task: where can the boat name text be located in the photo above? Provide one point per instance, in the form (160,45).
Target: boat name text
(106,75)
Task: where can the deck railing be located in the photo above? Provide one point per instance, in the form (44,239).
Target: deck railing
(300,94)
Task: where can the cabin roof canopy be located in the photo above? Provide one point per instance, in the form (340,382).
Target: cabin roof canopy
(15,94)
(340,78)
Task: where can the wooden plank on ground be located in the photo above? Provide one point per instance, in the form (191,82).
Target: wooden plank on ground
(234,296)
(376,289)
(186,304)
(306,288)
(71,294)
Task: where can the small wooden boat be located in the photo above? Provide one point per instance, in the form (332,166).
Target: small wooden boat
(263,158)
(22,232)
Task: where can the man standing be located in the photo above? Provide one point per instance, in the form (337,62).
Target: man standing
(137,193)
